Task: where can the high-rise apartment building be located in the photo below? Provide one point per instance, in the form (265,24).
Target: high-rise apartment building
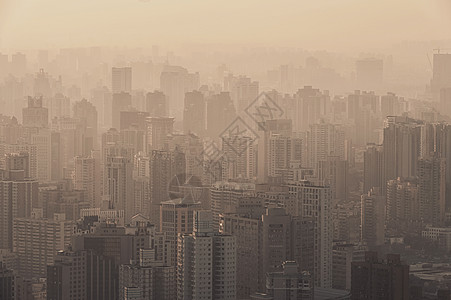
(67,276)
(373,217)
(324,140)
(118,185)
(241,157)
(37,241)
(220,113)
(343,255)
(122,101)
(43,142)
(158,128)
(206,262)
(441,76)
(18,195)
(265,239)
(24,148)
(374,279)
(267,150)
(156,104)
(18,161)
(194,113)
(148,277)
(86,113)
(289,284)
(402,140)
(242,90)
(59,106)
(108,246)
(373,164)
(164,166)
(403,206)
(87,177)
(431,187)
(226,198)
(333,172)
(309,106)
(35,115)
(121,80)
(177,217)
(315,202)
(175,81)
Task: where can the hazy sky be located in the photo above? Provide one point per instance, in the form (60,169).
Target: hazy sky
(312,24)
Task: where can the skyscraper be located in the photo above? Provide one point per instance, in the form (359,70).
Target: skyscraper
(220,113)
(118,184)
(403,206)
(431,185)
(226,198)
(343,255)
(35,115)
(37,241)
(122,101)
(242,90)
(164,166)
(177,217)
(194,113)
(289,284)
(441,75)
(310,105)
(402,140)
(86,112)
(156,104)
(324,140)
(265,239)
(315,202)
(108,246)
(158,128)
(374,279)
(333,172)
(86,177)
(241,154)
(121,80)
(373,217)
(266,151)
(18,195)
(175,81)
(373,171)
(67,276)
(206,263)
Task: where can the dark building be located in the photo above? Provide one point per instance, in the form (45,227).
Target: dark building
(164,166)
(7,283)
(35,115)
(156,104)
(194,113)
(121,102)
(107,246)
(82,274)
(375,279)
(133,119)
(289,284)
(220,113)
(264,241)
